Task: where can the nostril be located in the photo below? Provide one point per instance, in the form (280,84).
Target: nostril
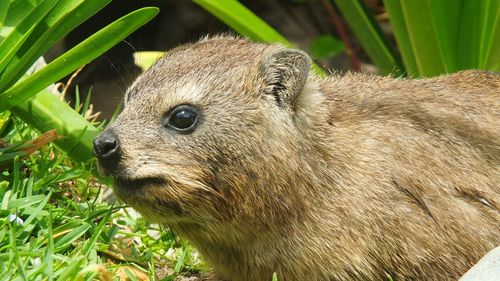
(109,147)
(105,145)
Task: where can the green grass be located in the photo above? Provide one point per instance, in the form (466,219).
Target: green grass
(55,224)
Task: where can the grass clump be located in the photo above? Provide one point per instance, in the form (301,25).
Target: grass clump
(57,222)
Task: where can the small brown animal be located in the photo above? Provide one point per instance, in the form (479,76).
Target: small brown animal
(238,147)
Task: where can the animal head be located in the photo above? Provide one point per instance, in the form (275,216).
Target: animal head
(204,130)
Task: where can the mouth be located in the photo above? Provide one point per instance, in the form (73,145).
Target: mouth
(139,183)
(140,194)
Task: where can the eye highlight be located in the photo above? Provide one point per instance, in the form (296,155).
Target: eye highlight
(183,119)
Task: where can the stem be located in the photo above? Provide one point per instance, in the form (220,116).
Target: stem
(341,31)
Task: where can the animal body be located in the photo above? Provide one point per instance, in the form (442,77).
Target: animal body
(239,148)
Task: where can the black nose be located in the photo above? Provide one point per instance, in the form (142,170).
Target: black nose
(106,145)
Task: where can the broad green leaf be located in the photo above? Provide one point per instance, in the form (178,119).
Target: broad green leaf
(242,20)
(246,23)
(65,16)
(423,37)
(470,34)
(326,46)
(4,7)
(16,13)
(490,37)
(81,54)
(398,24)
(46,111)
(11,44)
(443,36)
(446,17)
(370,36)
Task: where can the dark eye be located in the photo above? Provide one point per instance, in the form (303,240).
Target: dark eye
(183,119)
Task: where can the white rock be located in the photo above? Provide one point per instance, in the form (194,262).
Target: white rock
(487,269)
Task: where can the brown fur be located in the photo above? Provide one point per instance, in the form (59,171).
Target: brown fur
(351,177)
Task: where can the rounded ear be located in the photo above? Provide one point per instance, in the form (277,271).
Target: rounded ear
(285,73)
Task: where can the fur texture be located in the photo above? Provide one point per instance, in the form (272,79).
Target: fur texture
(350,177)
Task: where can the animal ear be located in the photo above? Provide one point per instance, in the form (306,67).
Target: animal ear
(285,73)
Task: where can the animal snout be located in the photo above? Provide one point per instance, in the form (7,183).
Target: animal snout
(107,150)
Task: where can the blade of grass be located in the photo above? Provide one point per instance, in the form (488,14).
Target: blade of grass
(37,211)
(71,271)
(49,252)
(130,275)
(65,16)
(71,237)
(26,201)
(81,54)
(370,35)
(96,233)
(180,261)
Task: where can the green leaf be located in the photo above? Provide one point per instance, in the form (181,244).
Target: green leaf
(246,23)
(444,36)
(49,252)
(71,237)
(470,33)
(37,211)
(4,121)
(180,261)
(9,156)
(96,233)
(398,24)
(16,12)
(4,7)
(242,20)
(489,57)
(20,33)
(326,46)
(370,35)
(65,16)
(26,201)
(70,272)
(424,37)
(46,111)
(446,19)
(81,54)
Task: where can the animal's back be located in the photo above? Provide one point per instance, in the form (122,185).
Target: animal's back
(427,158)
